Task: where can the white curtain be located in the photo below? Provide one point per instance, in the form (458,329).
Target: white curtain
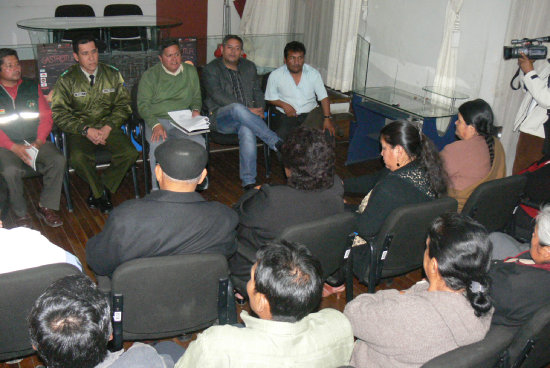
(330,36)
(527,19)
(445,74)
(317,33)
(329,30)
(269,22)
(343,43)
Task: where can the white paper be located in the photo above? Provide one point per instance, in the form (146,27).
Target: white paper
(33,152)
(183,119)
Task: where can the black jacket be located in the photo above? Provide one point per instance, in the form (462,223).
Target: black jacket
(218,87)
(517,291)
(390,190)
(160,224)
(265,213)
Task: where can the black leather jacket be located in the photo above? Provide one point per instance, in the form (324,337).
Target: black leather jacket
(218,87)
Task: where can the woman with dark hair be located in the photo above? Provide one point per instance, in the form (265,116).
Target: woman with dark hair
(477,157)
(413,174)
(313,191)
(449,309)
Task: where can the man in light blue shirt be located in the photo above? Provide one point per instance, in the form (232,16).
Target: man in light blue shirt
(295,89)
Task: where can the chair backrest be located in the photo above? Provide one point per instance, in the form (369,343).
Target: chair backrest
(492,203)
(327,239)
(170,295)
(74,10)
(122,9)
(531,345)
(404,234)
(489,352)
(20,289)
(527,346)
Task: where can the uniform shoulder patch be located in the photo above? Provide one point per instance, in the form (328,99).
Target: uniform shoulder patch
(113,67)
(65,72)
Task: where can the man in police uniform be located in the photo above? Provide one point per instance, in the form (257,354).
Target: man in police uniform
(90,103)
(26,120)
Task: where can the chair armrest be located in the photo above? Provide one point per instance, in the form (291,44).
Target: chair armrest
(247,252)
(104,284)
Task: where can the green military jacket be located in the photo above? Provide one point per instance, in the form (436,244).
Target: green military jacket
(76,104)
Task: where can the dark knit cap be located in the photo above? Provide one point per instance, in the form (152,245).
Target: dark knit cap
(181,158)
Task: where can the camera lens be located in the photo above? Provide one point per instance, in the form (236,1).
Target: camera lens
(508,52)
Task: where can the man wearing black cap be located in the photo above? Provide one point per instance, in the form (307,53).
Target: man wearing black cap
(169,221)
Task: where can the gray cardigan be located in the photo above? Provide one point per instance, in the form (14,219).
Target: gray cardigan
(218,87)
(407,330)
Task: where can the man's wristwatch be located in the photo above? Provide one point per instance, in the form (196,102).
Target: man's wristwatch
(327,116)
(84,131)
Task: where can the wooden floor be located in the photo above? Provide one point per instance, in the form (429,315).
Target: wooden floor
(225,187)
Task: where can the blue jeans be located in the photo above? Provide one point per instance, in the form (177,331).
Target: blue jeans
(236,118)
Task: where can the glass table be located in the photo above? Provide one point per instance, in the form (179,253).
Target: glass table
(45,30)
(451,94)
(373,105)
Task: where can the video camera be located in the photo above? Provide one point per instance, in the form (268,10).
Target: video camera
(526,46)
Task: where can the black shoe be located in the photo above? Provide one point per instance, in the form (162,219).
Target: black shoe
(105,205)
(93,202)
(204,185)
(23,221)
(249,186)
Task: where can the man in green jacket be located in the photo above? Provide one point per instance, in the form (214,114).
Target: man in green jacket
(90,103)
(167,86)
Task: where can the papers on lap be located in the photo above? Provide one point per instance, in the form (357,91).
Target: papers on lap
(182,120)
(33,152)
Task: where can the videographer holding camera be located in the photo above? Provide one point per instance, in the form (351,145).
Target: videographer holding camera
(532,114)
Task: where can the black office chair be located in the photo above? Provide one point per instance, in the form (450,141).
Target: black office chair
(20,289)
(168,296)
(74,10)
(233,140)
(531,345)
(493,203)
(526,346)
(121,34)
(328,239)
(399,246)
(488,353)
(102,157)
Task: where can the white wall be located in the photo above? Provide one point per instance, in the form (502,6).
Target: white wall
(406,36)
(12,11)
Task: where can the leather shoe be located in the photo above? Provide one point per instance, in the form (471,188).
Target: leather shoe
(50,217)
(249,186)
(93,202)
(23,221)
(105,205)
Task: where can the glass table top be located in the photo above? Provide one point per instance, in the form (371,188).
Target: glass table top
(408,102)
(66,23)
(446,92)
